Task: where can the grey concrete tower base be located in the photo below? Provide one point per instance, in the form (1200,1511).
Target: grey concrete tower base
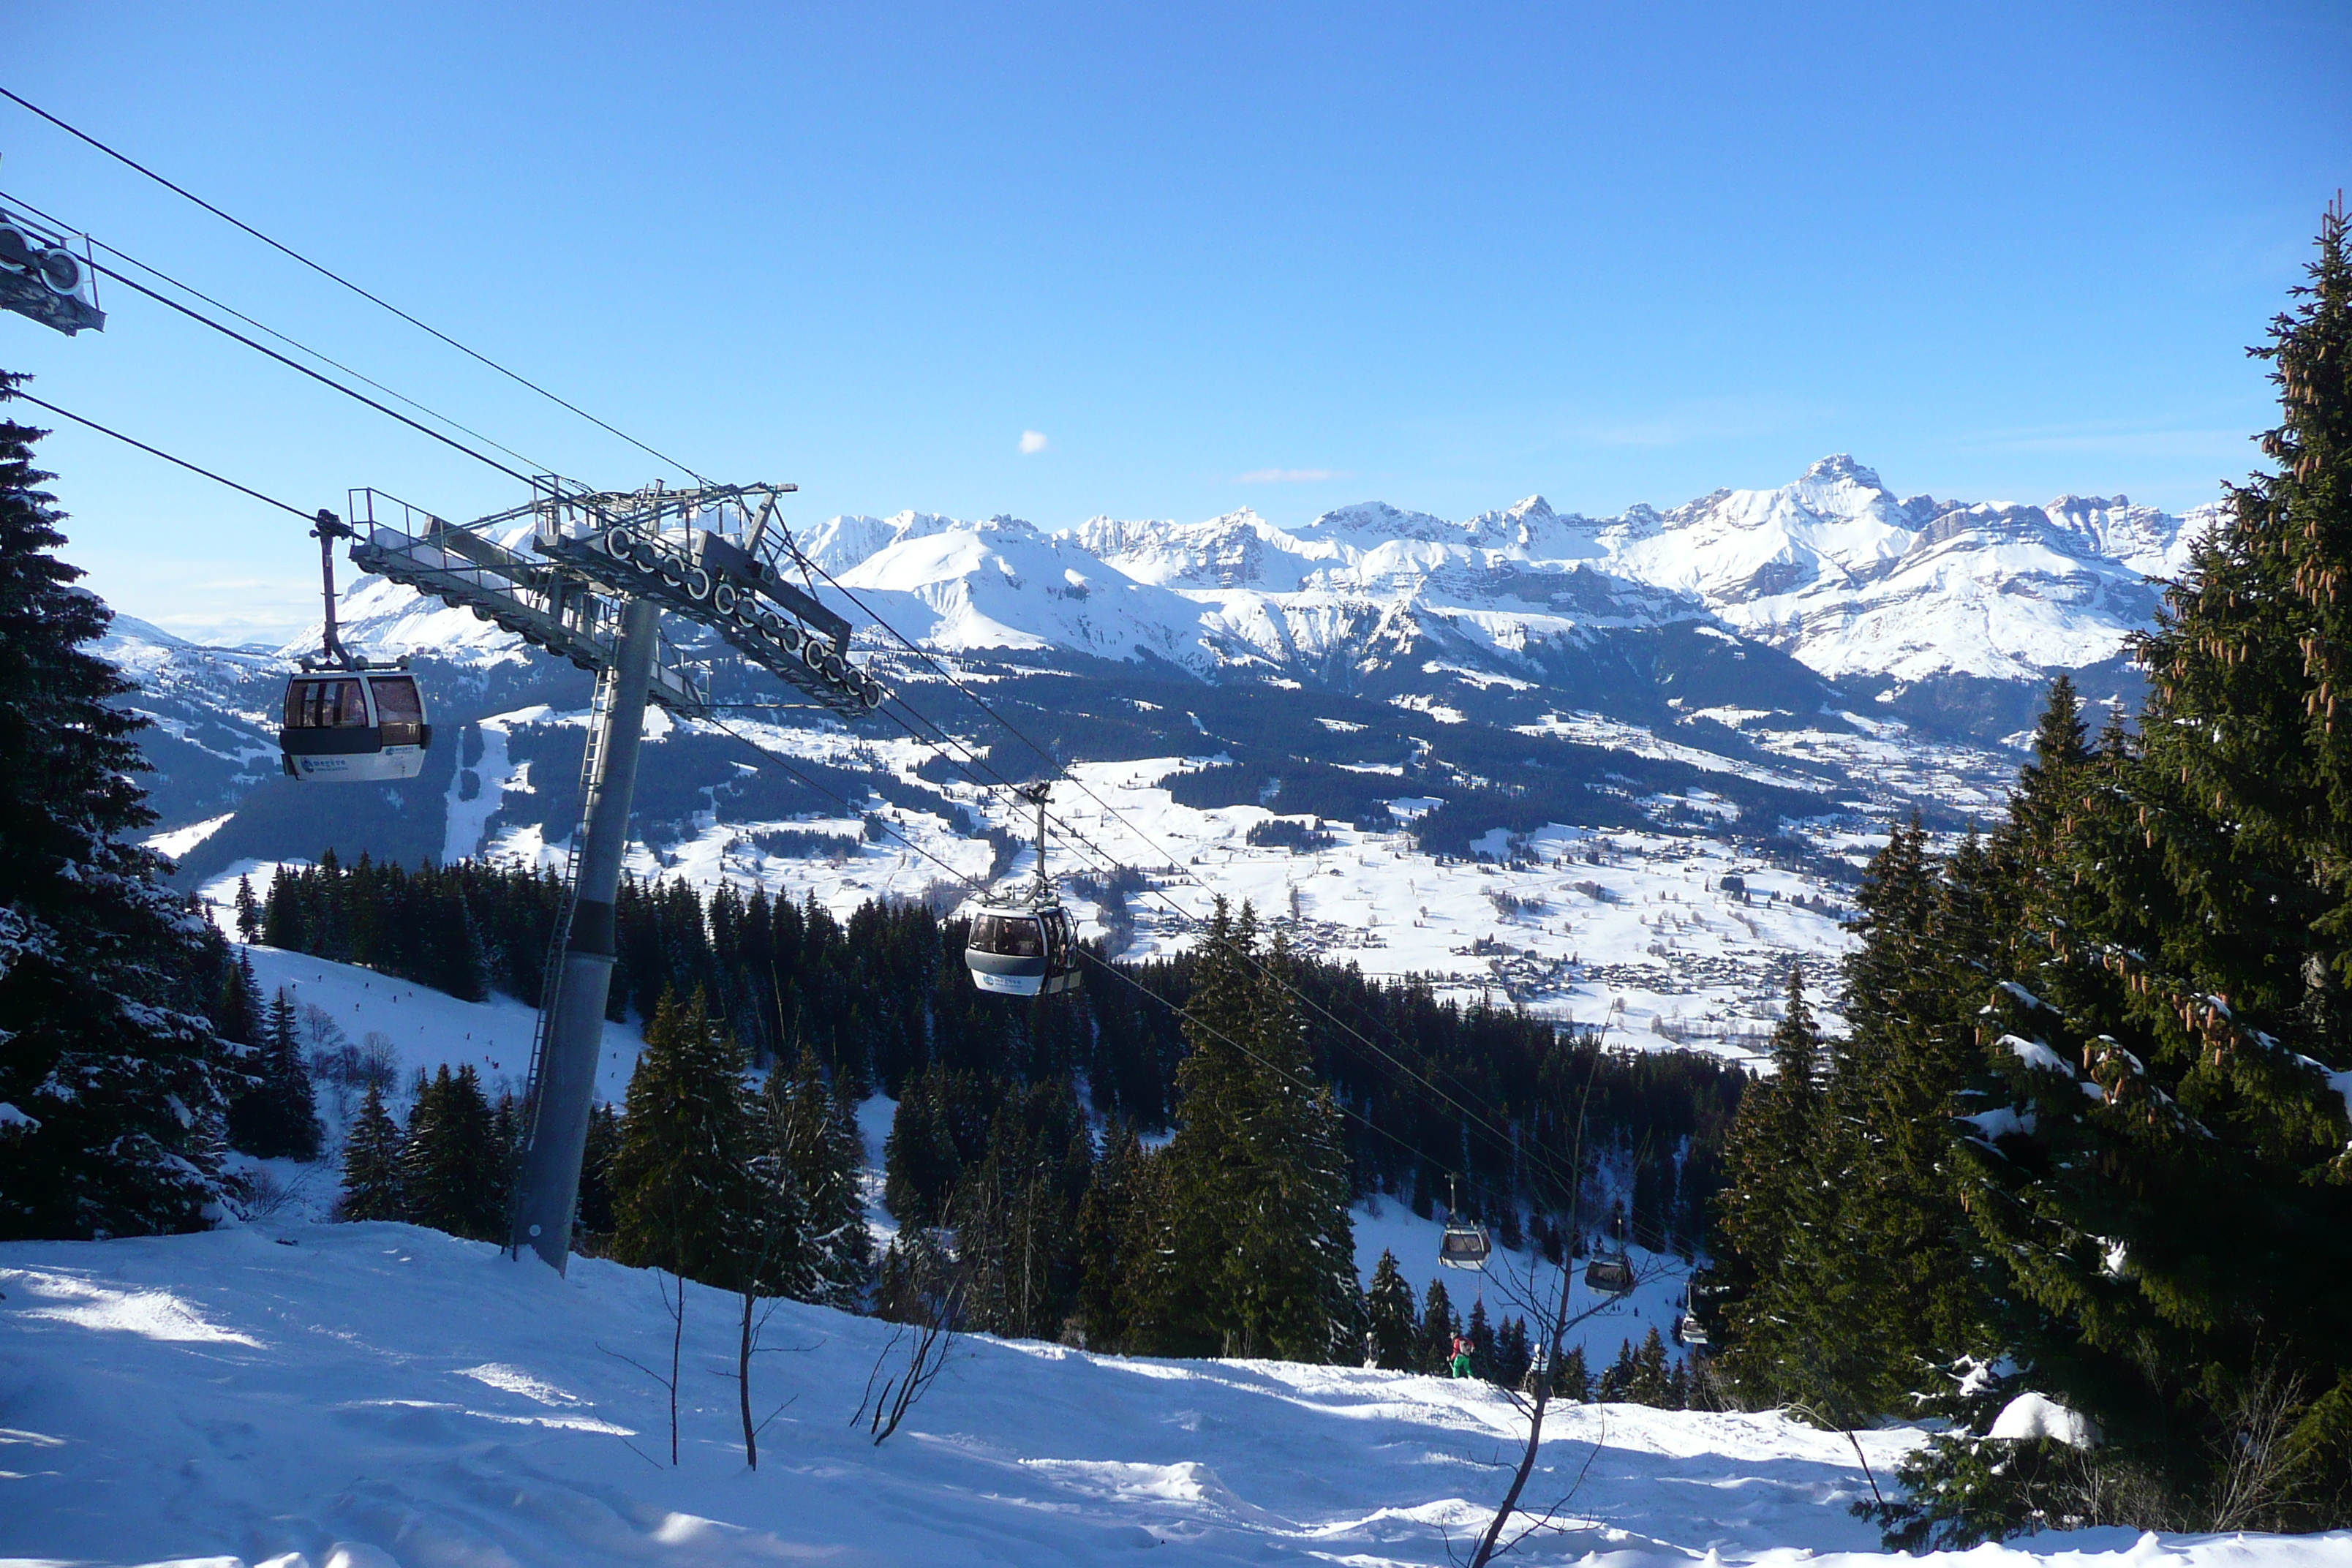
(548,1185)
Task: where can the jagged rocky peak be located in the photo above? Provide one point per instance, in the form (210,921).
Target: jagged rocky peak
(842,541)
(1237,550)
(1370,524)
(1839,468)
(1831,567)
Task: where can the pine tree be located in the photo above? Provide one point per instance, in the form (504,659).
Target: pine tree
(450,1166)
(238,1016)
(919,1159)
(1876,1278)
(1617,1381)
(1650,1383)
(1395,1325)
(1481,1335)
(249,912)
(1113,1230)
(112,1075)
(1513,1353)
(596,1172)
(1769,1154)
(1439,1327)
(816,1142)
(1679,1383)
(682,1198)
(1259,1249)
(1573,1379)
(372,1162)
(1015,1213)
(2158,1148)
(276,1116)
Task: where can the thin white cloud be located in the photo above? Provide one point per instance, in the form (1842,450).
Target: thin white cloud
(1033,441)
(1291,475)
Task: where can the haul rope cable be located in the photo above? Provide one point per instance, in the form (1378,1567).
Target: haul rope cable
(1534,1153)
(782,761)
(1108,861)
(326,273)
(1502,1139)
(801,559)
(152,270)
(324,379)
(21,395)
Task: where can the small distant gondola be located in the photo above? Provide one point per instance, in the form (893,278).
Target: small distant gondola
(1023,944)
(1464,1242)
(1611,1273)
(347,719)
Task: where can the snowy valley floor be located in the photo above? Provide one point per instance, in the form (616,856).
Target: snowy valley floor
(376,1395)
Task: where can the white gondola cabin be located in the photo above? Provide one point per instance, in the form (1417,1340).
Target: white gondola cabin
(346,720)
(1023,944)
(1464,1242)
(1465,1247)
(353,726)
(1023,947)
(1608,1275)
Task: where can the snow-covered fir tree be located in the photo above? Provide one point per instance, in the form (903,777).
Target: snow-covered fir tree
(372,1164)
(683,1197)
(1256,1255)
(111,1078)
(2157,1168)
(1389,1310)
(452,1176)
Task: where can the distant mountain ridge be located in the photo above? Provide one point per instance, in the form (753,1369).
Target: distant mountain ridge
(1825,651)
(1833,569)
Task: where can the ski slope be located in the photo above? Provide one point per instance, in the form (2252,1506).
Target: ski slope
(426,1029)
(314,1395)
(379,1396)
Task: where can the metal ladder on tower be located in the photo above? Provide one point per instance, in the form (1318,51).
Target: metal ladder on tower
(558,936)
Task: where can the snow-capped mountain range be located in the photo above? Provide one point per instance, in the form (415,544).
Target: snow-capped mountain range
(1833,569)
(1522,749)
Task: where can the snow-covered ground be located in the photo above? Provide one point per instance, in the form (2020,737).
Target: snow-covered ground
(315,1396)
(379,1396)
(427,1028)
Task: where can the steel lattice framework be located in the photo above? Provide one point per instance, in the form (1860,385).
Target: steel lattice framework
(587,576)
(560,570)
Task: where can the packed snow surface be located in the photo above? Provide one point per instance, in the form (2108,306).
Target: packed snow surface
(377,1395)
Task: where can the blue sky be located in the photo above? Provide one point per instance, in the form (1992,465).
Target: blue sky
(1281,257)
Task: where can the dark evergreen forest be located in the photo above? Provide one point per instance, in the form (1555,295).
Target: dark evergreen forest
(883,1003)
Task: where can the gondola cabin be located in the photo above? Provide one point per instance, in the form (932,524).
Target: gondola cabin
(1464,1246)
(1608,1275)
(353,726)
(1022,949)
